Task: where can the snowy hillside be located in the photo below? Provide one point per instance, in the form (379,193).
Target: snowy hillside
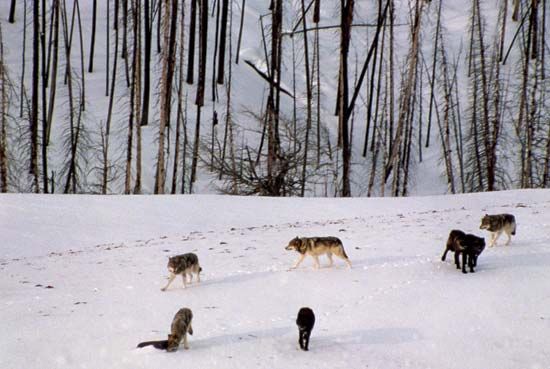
(81,279)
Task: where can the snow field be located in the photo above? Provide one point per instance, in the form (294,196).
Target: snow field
(398,307)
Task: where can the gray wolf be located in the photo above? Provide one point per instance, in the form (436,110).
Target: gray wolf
(498,223)
(185,264)
(181,325)
(469,245)
(316,246)
(305,322)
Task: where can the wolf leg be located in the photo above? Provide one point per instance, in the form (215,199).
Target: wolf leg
(444,256)
(198,277)
(317,265)
(497,235)
(464,261)
(185,344)
(330,262)
(170,279)
(306,339)
(190,277)
(184,279)
(509,238)
(299,261)
(457,260)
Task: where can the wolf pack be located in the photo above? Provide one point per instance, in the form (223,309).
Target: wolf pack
(463,245)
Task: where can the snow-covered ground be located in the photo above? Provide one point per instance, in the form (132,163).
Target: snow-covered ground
(81,279)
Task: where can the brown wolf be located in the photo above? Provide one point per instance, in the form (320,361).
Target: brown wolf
(181,325)
(316,246)
(185,264)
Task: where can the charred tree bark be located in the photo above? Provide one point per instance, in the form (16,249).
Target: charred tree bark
(309,100)
(199,101)
(148,34)
(346,7)
(3,120)
(11,17)
(33,170)
(92,42)
(273,101)
(53,82)
(191,47)
(223,37)
(169,61)
(105,172)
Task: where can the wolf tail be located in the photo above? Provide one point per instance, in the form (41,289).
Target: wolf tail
(514,230)
(200,269)
(161,345)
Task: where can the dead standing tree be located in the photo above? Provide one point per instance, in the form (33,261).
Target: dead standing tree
(274,98)
(3,119)
(199,101)
(408,88)
(168,66)
(346,14)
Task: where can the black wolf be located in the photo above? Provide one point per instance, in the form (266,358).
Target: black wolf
(469,245)
(305,322)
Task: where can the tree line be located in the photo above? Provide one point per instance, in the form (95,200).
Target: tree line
(173,119)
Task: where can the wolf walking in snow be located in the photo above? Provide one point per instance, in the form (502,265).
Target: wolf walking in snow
(181,325)
(496,224)
(305,322)
(469,245)
(185,264)
(315,246)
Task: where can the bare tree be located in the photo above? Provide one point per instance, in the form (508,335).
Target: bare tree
(309,99)
(223,37)
(3,119)
(11,18)
(199,100)
(168,64)
(148,34)
(92,42)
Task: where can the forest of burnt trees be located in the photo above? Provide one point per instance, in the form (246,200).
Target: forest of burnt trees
(157,109)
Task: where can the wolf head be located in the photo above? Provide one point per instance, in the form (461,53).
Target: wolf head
(294,244)
(478,244)
(473,244)
(173,343)
(172,265)
(485,222)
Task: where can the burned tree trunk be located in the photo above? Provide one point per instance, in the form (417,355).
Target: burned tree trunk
(3,120)
(199,101)
(191,48)
(92,43)
(169,61)
(148,34)
(346,7)
(223,37)
(33,170)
